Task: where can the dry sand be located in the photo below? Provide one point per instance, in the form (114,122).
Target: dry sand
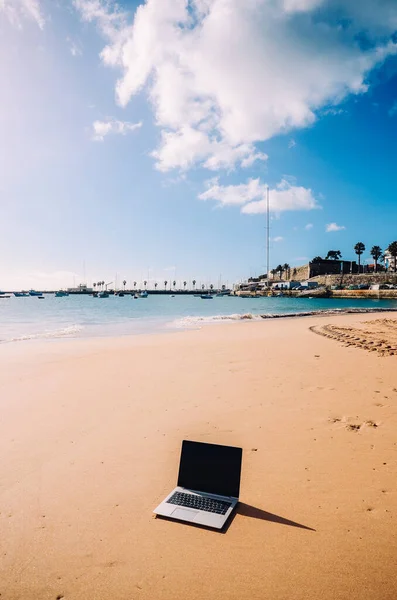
(90,435)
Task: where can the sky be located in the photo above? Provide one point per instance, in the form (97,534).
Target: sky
(138,139)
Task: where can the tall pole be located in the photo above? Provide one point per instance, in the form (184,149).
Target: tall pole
(267,236)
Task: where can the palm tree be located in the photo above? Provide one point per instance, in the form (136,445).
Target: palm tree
(145,284)
(194,283)
(211,287)
(286,269)
(359,249)
(165,284)
(202,287)
(99,283)
(94,285)
(155,285)
(223,288)
(317,259)
(376,253)
(124,284)
(279,270)
(134,285)
(393,251)
(273,272)
(174,283)
(184,285)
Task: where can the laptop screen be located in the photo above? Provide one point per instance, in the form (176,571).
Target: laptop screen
(210,468)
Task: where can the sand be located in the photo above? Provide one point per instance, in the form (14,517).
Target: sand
(90,436)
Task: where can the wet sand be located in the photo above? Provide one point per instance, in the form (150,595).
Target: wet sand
(90,435)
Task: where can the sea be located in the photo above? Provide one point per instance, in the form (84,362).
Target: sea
(76,316)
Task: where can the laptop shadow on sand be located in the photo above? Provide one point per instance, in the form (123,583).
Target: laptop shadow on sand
(245,510)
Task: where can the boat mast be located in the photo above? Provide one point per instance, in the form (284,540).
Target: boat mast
(267,236)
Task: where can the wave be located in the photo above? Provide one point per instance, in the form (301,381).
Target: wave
(191,322)
(69,331)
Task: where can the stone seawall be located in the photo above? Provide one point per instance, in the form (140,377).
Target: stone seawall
(363,278)
(376,295)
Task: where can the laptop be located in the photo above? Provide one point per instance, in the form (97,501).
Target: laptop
(208,485)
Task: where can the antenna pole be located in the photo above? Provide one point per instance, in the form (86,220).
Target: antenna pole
(267,236)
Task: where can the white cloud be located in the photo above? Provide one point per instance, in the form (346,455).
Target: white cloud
(334,227)
(17,10)
(300,5)
(393,109)
(183,148)
(74,47)
(309,226)
(278,238)
(112,126)
(223,75)
(252,195)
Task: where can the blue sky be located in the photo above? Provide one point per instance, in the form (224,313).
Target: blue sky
(140,142)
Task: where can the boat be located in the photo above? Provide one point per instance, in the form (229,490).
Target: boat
(121,294)
(61,294)
(34,293)
(40,297)
(206,297)
(21,294)
(2,296)
(143,294)
(103,294)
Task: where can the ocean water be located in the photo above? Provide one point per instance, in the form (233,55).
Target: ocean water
(24,319)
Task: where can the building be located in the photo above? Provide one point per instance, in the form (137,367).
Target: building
(390,261)
(80,289)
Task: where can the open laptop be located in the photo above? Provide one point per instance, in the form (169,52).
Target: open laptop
(208,485)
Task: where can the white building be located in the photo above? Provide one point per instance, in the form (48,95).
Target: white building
(390,261)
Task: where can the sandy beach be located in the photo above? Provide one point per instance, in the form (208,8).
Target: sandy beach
(90,435)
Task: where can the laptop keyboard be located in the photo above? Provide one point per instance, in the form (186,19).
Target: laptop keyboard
(219,507)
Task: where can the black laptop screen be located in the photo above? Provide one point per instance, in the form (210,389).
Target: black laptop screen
(210,468)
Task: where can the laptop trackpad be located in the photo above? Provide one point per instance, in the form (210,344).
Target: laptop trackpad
(185,515)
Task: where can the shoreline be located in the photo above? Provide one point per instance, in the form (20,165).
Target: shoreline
(186,323)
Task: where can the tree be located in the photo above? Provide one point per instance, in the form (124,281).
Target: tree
(376,253)
(155,285)
(202,287)
(94,285)
(223,288)
(273,272)
(317,259)
(174,283)
(184,285)
(279,270)
(145,284)
(165,284)
(286,269)
(194,283)
(359,249)
(134,284)
(124,284)
(393,251)
(211,287)
(334,255)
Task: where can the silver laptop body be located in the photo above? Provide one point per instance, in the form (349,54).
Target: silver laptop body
(208,485)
